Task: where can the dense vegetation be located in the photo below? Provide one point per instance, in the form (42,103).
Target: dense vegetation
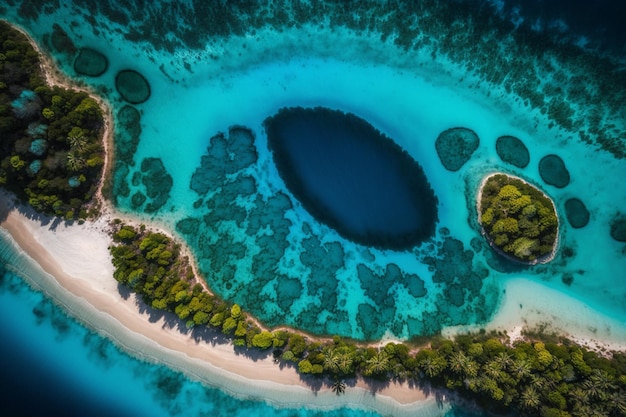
(531,378)
(518,218)
(51,152)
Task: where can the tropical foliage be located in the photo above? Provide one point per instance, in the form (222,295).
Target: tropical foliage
(518,218)
(530,378)
(51,152)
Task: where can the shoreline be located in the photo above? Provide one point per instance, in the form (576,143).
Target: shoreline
(93,298)
(540,261)
(225,361)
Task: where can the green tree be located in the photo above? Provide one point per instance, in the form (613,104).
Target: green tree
(75,162)
(201,318)
(263,340)
(378,364)
(530,399)
(229,325)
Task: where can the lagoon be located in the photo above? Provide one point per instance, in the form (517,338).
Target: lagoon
(252,236)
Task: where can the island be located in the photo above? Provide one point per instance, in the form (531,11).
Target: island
(518,220)
(533,374)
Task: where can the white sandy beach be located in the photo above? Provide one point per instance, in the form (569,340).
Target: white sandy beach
(527,304)
(71,264)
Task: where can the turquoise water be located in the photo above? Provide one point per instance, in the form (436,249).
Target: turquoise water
(223,195)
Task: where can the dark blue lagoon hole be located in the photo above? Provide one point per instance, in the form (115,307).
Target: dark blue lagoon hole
(352,177)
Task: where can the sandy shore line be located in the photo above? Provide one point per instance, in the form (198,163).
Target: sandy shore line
(62,265)
(527,304)
(72,265)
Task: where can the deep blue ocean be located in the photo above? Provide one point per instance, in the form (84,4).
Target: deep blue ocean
(220,191)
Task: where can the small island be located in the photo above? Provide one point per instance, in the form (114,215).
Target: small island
(518,219)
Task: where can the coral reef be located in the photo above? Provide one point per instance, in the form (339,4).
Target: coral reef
(512,151)
(455,147)
(553,171)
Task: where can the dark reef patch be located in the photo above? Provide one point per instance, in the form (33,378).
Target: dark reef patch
(90,62)
(127,132)
(157,182)
(353,178)
(238,149)
(138,199)
(132,86)
(455,147)
(553,171)
(618,228)
(512,151)
(61,42)
(576,213)
(247,248)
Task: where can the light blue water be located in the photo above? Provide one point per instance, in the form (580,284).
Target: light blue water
(52,365)
(248,239)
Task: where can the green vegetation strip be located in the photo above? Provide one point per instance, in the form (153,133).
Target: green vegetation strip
(548,379)
(517,218)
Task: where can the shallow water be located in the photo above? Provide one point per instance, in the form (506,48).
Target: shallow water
(251,236)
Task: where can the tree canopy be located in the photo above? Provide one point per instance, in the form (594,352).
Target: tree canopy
(517,218)
(51,151)
(529,377)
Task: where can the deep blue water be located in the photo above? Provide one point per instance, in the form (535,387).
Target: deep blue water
(55,366)
(352,177)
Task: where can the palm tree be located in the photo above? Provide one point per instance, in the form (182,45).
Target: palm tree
(493,369)
(378,364)
(598,384)
(331,361)
(429,367)
(345,363)
(74,161)
(504,359)
(339,387)
(77,141)
(530,399)
(579,396)
(458,362)
(338,362)
(462,364)
(617,402)
(521,368)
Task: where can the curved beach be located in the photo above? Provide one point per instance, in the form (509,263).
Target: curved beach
(61,264)
(71,264)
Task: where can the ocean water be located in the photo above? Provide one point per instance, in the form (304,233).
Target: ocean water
(223,195)
(53,365)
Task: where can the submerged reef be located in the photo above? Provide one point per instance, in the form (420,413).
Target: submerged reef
(259,249)
(61,42)
(127,133)
(553,171)
(512,151)
(517,218)
(576,213)
(618,228)
(455,147)
(157,182)
(352,177)
(90,62)
(132,86)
